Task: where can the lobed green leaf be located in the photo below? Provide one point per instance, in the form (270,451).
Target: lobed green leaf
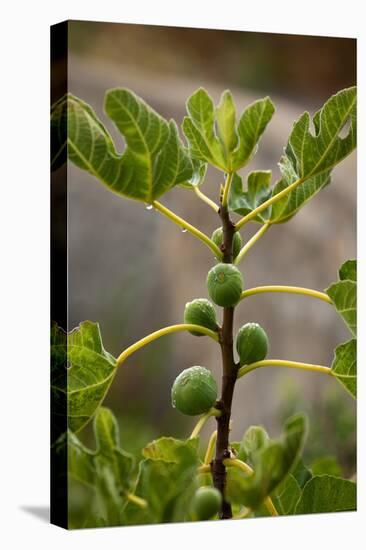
(84,372)
(348,271)
(258,191)
(172,450)
(213,134)
(301,473)
(327,493)
(107,470)
(326,464)
(226,124)
(286,496)
(272,461)
(251,126)
(198,175)
(154,159)
(343,294)
(344,366)
(311,157)
(167,479)
(255,439)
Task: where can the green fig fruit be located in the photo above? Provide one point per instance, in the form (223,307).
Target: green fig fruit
(206,503)
(251,343)
(200,312)
(217,237)
(194,391)
(225,285)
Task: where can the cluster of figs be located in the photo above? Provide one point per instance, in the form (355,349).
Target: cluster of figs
(194,391)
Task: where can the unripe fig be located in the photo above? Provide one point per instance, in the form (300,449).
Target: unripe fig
(200,312)
(225,284)
(217,237)
(206,503)
(194,391)
(251,343)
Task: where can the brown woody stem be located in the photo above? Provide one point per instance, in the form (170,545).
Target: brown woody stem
(229,375)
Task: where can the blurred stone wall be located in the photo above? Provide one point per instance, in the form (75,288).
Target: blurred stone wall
(133,271)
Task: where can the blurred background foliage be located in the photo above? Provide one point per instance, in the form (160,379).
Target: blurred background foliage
(133,272)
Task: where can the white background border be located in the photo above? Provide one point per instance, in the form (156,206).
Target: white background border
(24,272)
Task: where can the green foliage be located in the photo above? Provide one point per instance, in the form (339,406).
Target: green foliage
(167,480)
(255,439)
(311,157)
(343,294)
(234,145)
(225,121)
(327,494)
(258,191)
(84,371)
(348,271)
(198,176)
(154,160)
(200,312)
(194,391)
(271,460)
(301,473)
(106,470)
(172,450)
(344,365)
(287,496)
(224,284)
(251,343)
(326,465)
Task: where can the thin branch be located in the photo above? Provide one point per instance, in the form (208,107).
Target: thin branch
(162,332)
(268,203)
(287,289)
(263,229)
(183,224)
(206,199)
(229,372)
(282,363)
